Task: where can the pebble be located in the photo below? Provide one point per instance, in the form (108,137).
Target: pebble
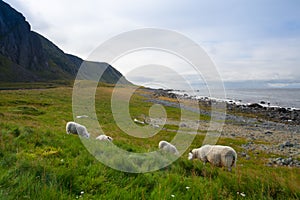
(243,154)
(269,133)
(247,157)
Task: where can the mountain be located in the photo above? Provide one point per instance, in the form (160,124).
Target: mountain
(26,56)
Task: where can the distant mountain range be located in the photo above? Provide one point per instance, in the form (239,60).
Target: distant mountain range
(26,56)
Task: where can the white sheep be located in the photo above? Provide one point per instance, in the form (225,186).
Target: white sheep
(104,138)
(217,155)
(168,147)
(75,128)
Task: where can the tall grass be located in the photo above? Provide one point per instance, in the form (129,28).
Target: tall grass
(39,161)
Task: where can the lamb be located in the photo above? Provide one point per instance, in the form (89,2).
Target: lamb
(104,138)
(166,146)
(75,128)
(217,155)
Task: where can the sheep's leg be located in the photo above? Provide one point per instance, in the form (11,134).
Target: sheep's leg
(228,162)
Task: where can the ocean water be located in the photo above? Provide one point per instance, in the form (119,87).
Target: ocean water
(288,98)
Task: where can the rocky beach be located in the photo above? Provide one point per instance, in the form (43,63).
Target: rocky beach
(274,131)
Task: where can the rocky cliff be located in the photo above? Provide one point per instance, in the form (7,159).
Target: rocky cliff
(26,56)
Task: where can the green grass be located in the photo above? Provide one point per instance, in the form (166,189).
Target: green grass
(38,160)
(35,85)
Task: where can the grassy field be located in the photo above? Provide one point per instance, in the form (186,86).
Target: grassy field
(38,160)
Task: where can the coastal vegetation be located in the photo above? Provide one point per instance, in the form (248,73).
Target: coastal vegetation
(38,160)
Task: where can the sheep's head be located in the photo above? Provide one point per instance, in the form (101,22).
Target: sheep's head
(162,144)
(109,138)
(191,155)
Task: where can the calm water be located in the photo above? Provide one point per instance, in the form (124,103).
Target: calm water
(276,97)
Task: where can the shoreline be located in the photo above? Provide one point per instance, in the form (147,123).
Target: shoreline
(280,139)
(259,110)
(243,99)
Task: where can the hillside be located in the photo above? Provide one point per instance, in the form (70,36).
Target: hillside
(26,56)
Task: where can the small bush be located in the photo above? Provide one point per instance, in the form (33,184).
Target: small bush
(16,132)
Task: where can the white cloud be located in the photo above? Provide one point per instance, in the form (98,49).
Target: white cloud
(247,40)
(258,60)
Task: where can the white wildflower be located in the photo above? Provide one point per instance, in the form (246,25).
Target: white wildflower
(241,193)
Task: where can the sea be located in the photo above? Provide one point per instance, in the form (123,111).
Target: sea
(281,97)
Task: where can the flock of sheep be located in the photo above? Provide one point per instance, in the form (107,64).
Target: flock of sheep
(216,155)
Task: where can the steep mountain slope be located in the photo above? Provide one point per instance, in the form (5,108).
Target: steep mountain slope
(26,56)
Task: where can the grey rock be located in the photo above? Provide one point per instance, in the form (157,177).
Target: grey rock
(243,154)
(288,144)
(268,133)
(183,125)
(284,162)
(297,146)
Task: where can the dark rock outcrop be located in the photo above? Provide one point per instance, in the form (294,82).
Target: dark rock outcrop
(26,56)
(18,43)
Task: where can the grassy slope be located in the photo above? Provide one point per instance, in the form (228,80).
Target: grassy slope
(39,161)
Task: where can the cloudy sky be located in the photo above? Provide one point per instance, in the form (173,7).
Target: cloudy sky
(247,40)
